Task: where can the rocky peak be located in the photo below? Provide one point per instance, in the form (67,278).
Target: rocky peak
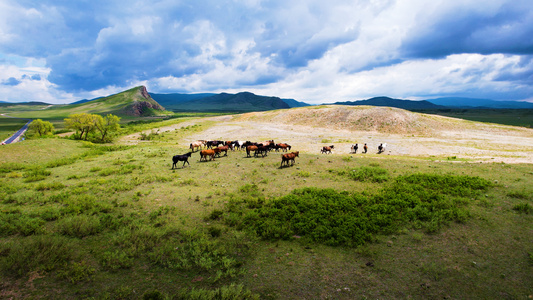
(144,92)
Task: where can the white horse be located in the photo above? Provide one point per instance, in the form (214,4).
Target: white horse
(240,144)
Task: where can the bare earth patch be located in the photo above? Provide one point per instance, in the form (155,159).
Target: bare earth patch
(406,133)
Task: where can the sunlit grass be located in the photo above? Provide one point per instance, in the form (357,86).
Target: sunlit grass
(124,222)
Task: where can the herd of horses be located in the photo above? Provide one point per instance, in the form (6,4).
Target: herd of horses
(213,149)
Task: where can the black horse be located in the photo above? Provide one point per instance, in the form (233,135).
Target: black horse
(212,144)
(355,147)
(184,158)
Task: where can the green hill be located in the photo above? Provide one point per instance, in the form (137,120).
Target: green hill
(386,101)
(240,102)
(135,102)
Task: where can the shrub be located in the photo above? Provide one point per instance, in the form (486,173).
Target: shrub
(303,174)
(227,292)
(49,214)
(114,260)
(79,226)
(332,218)
(214,231)
(36,174)
(138,239)
(61,162)
(76,272)
(36,253)
(16,223)
(215,214)
(519,195)
(150,136)
(523,208)
(49,186)
(163,210)
(154,295)
(10,167)
(107,172)
(372,174)
(87,204)
(195,251)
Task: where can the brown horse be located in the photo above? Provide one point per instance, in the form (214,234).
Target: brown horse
(285,158)
(327,149)
(250,149)
(207,152)
(284,147)
(220,149)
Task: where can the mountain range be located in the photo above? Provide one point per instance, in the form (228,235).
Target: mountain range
(224,102)
(459,102)
(441,103)
(386,101)
(139,102)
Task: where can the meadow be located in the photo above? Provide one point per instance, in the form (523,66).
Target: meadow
(114,221)
(514,117)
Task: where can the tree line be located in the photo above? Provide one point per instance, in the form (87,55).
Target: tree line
(101,128)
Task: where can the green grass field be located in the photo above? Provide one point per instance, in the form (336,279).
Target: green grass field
(513,117)
(116,222)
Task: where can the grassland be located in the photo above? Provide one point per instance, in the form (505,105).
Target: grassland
(513,117)
(115,222)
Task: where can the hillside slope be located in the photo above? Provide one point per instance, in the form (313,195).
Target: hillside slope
(135,102)
(171,101)
(359,118)
(386,101)
(240,102)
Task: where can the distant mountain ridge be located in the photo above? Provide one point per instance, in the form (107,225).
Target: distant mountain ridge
(169,100)
(398,103)
(240,102)
(247,102)
(24,103)
(224,102)
(441,103)
(459,102)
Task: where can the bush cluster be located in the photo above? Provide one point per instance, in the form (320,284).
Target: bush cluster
(341,218)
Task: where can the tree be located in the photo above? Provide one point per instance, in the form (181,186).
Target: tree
(41,127)
(107,124)
(84,123)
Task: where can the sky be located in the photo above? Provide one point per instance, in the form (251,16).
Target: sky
(61,51)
